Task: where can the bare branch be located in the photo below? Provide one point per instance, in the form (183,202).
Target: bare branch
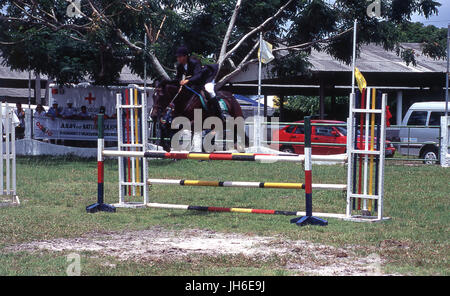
(257,29)
(148,31)
(249,53)
(232,74)
(309,44)
(223,50)
(160,27)
(245,62)
(232,64)
(155,62)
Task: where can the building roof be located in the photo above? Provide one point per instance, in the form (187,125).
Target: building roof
(18,92)
(374,58)
(14,84)
(126,76)
(380,67)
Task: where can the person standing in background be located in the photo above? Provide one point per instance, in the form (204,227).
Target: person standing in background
(84,114)
(69,112)
(40,111)
(20,129)
(54,112)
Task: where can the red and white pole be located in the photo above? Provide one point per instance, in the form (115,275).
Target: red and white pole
(308,219)
(100,206)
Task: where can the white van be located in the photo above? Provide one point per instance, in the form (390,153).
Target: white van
(424,133)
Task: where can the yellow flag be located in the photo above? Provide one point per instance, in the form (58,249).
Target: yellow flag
(266,52)
(360,79)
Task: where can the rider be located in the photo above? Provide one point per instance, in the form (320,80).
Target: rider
(190,72)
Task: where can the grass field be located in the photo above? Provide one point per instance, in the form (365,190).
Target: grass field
(55,191)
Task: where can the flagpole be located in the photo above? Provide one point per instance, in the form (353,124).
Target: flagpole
(145,66)
(258,134)
(448,70)
(354,55)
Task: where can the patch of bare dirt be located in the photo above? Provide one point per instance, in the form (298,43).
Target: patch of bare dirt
(160,244)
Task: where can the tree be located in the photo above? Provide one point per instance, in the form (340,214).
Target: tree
(433,39)
(108,34)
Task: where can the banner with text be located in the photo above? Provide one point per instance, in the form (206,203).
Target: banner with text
(67,129)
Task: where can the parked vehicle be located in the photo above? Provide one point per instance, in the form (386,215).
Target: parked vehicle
(422,134)
(333,134)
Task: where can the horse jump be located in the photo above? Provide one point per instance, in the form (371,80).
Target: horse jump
(8,187)
(362,188)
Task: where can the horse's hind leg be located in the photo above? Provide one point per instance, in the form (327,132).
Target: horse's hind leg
(239,143)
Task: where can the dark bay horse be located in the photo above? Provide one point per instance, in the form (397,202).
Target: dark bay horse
(186,101)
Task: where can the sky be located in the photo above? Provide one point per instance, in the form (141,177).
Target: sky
(441,20)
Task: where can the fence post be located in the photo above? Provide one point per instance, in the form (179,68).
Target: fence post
(8,188)
(308,219)
(100,206)
(445,157)
(28,124)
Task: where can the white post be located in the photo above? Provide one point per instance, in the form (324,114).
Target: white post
(28,124)
(445,157)
(355,24)
(119,146)
(133,159)
(8,155)
(350,168)
(144,145)
(366,145)
(399,107)
(351,104)
(145,126)
(382,158)
(2,189)
(258,121)
(448,70)
(13,155)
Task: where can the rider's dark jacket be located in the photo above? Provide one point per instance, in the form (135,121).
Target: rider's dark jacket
(193,73)
(197,74)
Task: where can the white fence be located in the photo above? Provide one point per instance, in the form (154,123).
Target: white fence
(8,185)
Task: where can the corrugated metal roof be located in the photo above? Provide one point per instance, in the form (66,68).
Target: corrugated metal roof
(126,77)
(374,58)
(18,92)
(7,73)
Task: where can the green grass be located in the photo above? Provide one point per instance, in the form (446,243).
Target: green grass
(55,191)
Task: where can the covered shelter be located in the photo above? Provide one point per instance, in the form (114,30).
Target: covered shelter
(328,77)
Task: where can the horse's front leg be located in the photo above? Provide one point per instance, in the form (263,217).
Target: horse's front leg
(196,138)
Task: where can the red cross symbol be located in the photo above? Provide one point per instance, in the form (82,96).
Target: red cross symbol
(90,98)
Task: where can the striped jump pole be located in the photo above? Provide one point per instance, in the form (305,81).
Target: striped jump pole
(308,219)
(222,209)
(245,184)
(225,156)
(238,210)
(100,206)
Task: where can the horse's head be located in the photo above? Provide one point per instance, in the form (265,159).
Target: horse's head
(162,96)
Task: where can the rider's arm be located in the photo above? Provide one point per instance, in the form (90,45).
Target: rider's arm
(178,76)
(196,78)
(180,73)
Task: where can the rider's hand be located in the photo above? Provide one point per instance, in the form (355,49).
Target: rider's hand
(184,82)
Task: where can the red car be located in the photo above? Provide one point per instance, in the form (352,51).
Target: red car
(333,133)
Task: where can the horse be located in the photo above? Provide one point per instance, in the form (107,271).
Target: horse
(186,101)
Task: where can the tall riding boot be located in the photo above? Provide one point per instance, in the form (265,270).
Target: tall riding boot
(218,108)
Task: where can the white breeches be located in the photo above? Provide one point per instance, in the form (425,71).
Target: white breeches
(209,87)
